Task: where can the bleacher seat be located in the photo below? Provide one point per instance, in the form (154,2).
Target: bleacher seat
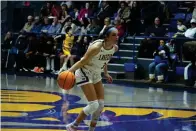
(130,69)
(171,34)
(179,16)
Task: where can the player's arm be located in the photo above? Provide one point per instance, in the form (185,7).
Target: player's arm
(92,51)
(105,69)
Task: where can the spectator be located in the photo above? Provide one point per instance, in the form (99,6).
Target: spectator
(156,30)
(191,32)
(49,54)
(63,12)
(46,25)
(38,57)
(25,47)
(79,49)
(84,23)
(76,13)
(46,10)
(105,11)
(56,9)
(149,45)
(68,23)
(5,49)
(141,27)
(173,54)
(37,26)
(134,17)
(85,12)
(124,12)
(107,22)
(160,64)
(30,50)
(55,27)
(121,29)
(93,27)
(8,41)
(29,25)
(181,28)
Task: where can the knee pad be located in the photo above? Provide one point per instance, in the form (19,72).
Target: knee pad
(91,107)
(101,104)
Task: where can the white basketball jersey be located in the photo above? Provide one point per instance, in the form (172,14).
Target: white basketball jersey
(98,62)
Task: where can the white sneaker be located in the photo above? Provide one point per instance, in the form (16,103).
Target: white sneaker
(71,127)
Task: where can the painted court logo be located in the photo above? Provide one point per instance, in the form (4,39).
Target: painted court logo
(44,111)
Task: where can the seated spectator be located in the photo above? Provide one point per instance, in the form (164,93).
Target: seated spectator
(172,51)
(134,17)
(49,54)
(55,27)
(37,26)
(63,13)
(66,48)
(5,49)
(38,57)
(93,27)
(29,25)
(191,32)
(181,28)
(68,23)
(141,27)
(84,23)
(149,45)
(121,28)
(79,49)
(160,64)
(46,25)
(46,10)
(124,12)
(30,51)
(75,25)
(85,12)
(25,48)
(107,22)
(76,13)
(157,30)
(56,9)
(105,11)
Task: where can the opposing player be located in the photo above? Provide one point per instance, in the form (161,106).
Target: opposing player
(88,76)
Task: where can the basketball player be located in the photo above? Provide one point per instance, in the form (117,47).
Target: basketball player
(88,75)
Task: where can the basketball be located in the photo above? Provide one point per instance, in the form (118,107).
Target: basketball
(66,80)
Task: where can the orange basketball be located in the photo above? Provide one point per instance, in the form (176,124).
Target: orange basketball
(66,80)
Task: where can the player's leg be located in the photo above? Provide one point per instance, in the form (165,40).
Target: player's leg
(100,96)
(92,106)
(84,80)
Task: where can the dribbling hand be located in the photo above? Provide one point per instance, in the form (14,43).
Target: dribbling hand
(109,78)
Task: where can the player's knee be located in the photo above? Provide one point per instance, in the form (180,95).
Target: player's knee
(91,107)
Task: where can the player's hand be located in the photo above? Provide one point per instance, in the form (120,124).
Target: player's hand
(109,78)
